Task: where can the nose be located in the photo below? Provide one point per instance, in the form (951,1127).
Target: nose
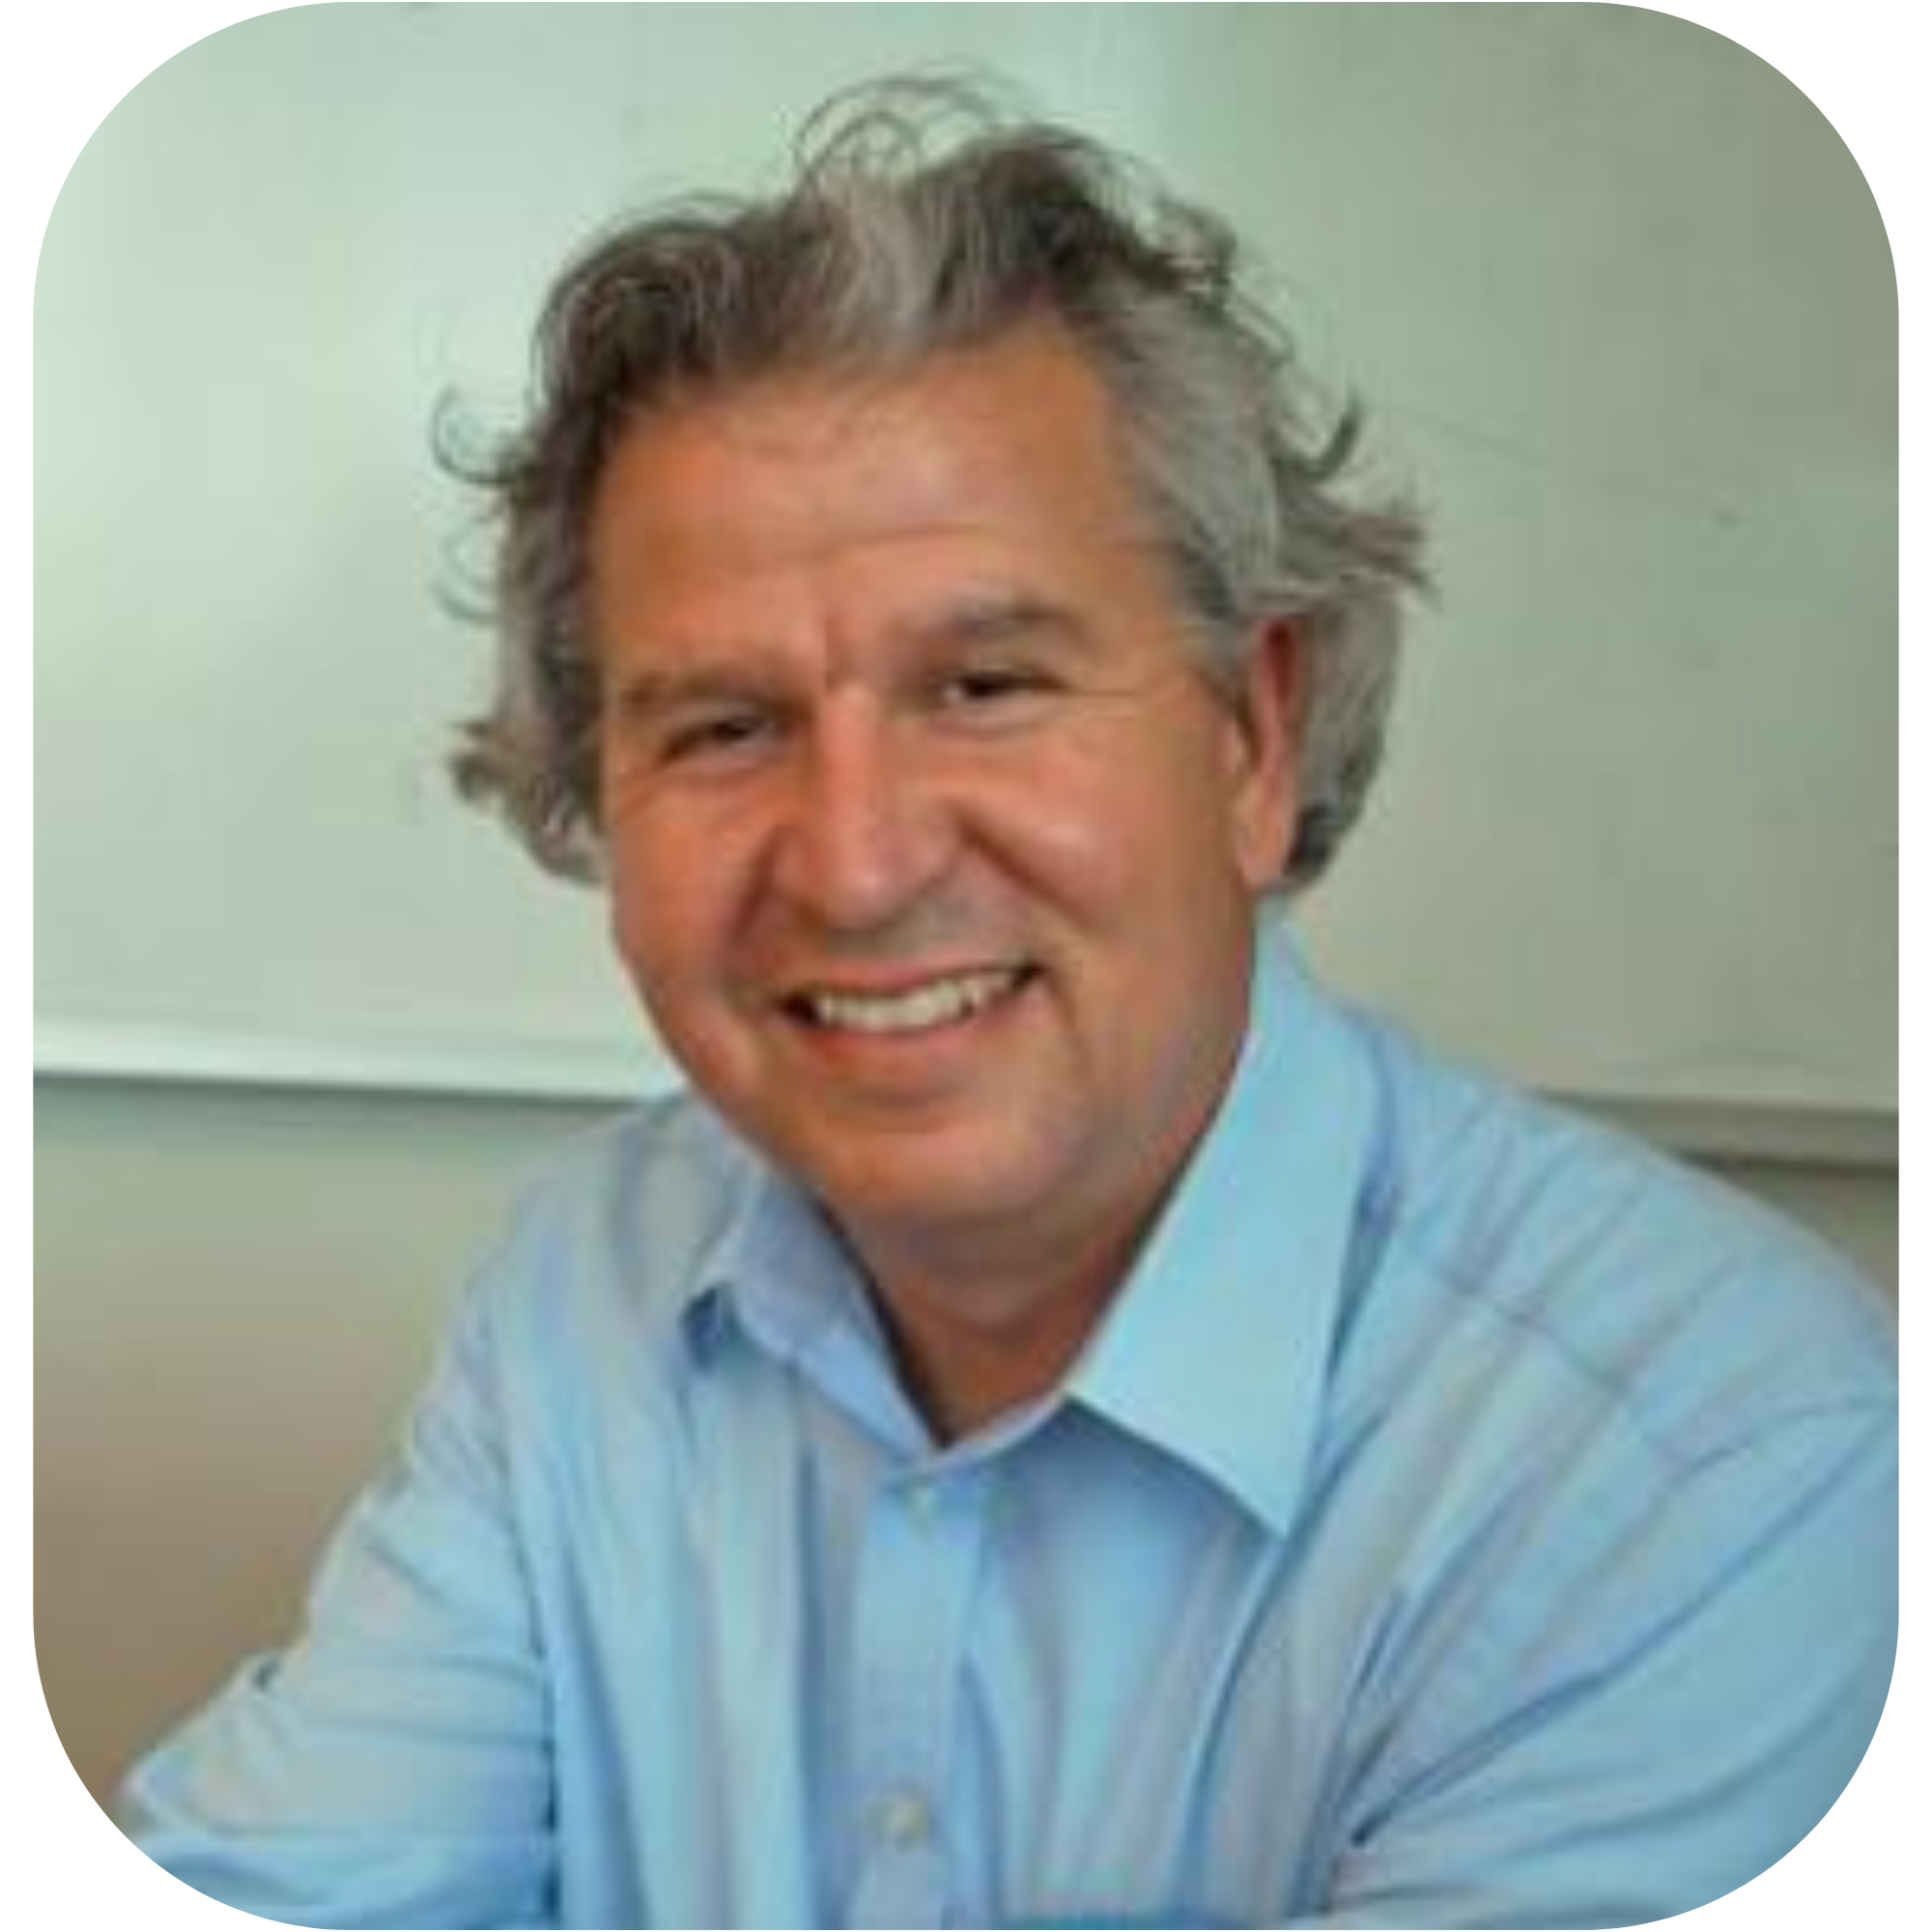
(863,834)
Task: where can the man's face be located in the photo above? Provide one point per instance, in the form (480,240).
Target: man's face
(933,856)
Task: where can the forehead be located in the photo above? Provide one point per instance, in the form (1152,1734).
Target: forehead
(1008,458)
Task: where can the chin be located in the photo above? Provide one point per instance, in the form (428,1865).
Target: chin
(935,1190)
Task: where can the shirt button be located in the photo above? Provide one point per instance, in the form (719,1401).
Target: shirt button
(905,1820)
(923,1500)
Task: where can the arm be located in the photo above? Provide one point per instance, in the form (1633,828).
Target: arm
(391,1769)
(1667,1724)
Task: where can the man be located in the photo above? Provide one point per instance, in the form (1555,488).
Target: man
(1066,1423)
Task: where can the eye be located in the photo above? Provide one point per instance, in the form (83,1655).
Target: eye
(717,736)
(994,691)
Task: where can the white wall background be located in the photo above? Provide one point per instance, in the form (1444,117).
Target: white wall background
(1627,308)
(1620,292)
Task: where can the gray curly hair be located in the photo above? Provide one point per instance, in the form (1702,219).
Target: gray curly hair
(904,234)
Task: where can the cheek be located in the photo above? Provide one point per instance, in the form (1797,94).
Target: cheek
(1061,834)
(1186,809)
(659,910)
(1117,822)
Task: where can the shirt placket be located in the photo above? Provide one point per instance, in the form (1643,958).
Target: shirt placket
(916,1576)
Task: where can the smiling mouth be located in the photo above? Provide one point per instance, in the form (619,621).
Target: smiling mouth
(910,1009)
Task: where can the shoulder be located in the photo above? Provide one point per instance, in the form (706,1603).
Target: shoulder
(610,1239)
(1609,1455)
(667,1170)
(1635,1283)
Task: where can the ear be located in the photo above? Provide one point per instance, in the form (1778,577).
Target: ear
(1265,753)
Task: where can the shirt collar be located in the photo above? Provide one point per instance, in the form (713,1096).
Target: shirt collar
(780,1273)
(1218,1345)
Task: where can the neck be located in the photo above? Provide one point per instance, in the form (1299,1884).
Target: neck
(974,1344)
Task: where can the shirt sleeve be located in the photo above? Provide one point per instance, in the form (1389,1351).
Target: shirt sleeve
(391,1768)
(1662,1711)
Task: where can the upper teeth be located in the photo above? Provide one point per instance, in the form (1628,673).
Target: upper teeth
(928,1006)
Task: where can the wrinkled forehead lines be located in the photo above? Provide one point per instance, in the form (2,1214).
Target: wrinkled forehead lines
(950,495)
(983,418)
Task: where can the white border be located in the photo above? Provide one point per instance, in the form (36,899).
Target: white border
(66,68)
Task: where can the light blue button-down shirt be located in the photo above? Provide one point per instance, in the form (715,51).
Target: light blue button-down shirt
(1462,1518)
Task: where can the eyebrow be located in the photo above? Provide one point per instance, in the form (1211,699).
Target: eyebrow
(649,690)
(995,617)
